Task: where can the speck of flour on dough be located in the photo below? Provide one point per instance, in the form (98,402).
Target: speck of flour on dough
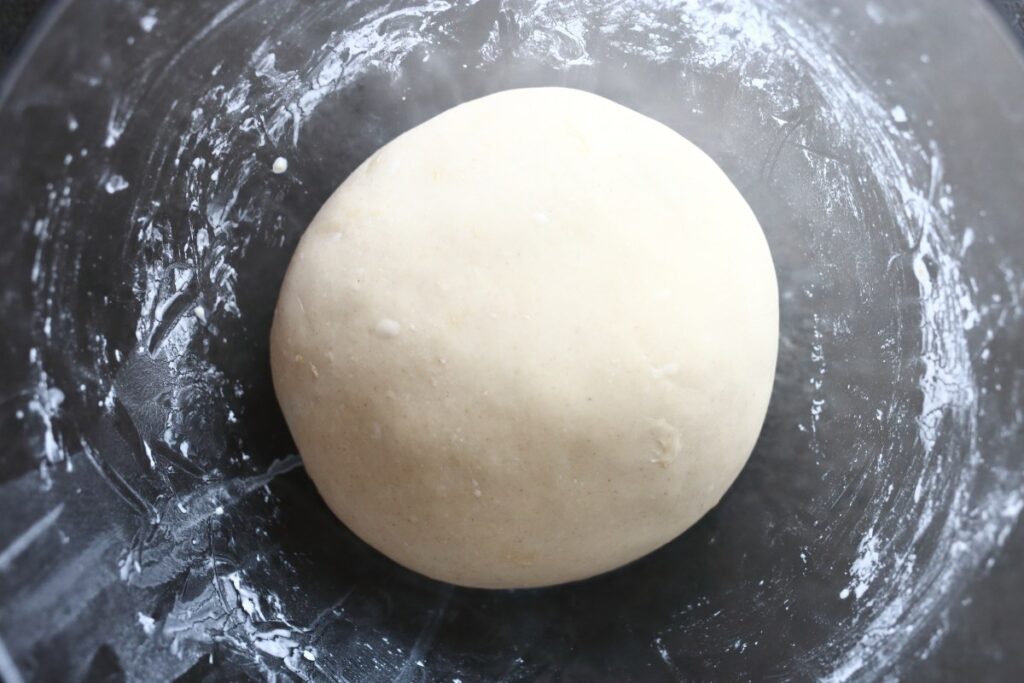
(387,328)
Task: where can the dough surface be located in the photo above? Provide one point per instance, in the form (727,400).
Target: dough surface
(527,341)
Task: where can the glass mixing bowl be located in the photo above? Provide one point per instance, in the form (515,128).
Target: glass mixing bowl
(158,163)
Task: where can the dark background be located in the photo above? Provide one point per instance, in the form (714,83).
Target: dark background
(992,613)
(15,16)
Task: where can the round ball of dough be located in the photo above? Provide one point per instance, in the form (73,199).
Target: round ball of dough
(527,341)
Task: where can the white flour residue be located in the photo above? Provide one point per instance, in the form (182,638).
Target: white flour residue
(915,593)
(716,26)
(378,40)
(701,34)
(45,407)
(47,397)
(115,183)
(231,611)
(864,568)
(120,113)
(147,623)
(816,380)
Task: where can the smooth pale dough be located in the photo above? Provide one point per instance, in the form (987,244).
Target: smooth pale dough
(528,341)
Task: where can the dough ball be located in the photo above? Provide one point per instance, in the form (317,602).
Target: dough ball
(528,341)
